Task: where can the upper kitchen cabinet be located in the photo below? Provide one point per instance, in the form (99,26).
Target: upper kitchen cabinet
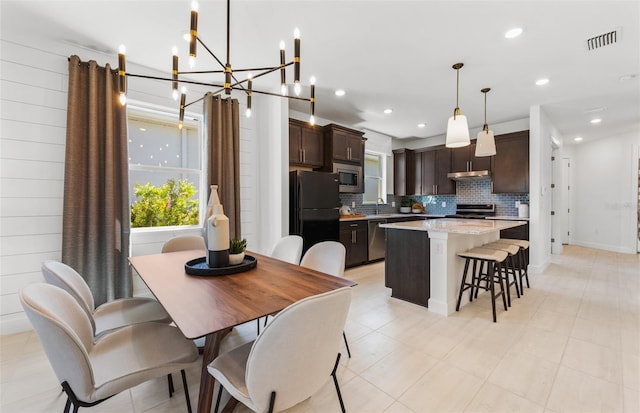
(464,160)
(404,172)
(306,147)
(436,164)
(343,144)
(511,163)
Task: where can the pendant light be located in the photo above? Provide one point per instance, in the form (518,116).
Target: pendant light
(457,128)
(486,143)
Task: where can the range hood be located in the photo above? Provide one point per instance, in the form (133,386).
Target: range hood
(467,176)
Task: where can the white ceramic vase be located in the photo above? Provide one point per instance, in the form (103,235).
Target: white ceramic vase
(235,259)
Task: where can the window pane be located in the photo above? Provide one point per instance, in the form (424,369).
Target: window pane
(371,189)
(164,198)
(155,143)
(372,165)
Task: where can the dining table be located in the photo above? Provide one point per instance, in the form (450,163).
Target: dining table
(210,306)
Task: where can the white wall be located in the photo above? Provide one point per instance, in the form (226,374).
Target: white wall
(33,98)
(604,194)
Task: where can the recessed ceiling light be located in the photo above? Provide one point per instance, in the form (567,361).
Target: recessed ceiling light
(388,111)
(596,120)
(578,138)
(512,33)
(422,125)
(596,110)
(630,76)
(542,81)
(340,92)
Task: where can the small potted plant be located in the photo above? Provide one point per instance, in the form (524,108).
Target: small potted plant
(405,205)
(236,250)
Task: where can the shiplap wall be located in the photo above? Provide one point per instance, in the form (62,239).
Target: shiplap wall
(33,96)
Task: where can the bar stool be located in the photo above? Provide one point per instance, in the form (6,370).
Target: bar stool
(494,260)
(523,261)
(511,266)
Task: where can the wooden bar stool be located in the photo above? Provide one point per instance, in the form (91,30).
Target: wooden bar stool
(494,260)
(523,261)
(510,267)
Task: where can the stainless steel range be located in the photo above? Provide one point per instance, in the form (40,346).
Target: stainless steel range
(474,211)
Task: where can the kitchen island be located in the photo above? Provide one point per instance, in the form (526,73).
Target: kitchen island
(422,264)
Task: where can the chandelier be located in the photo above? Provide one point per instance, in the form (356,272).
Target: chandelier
(231,82)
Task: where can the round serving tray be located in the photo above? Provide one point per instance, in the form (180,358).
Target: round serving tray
(199,266)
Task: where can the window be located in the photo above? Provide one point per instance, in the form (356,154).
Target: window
(165,169)
(374,177)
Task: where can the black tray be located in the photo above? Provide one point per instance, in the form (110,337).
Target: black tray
(199,267)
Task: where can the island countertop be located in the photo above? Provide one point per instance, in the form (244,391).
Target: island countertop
(455,225)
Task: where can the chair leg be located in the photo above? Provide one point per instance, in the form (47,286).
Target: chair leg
(335,381)
(344,336)
(170,383)
(462,284)
(272,401)
(186,390)
(215,410)
(491,276)
(67,405)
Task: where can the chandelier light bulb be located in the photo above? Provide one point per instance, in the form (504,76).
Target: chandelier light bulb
(192,62)
(174,51)
(296,33)
(312,80)
(248,112)
(283,89)
(312,120)
(194,5)
(184,90)
(281,44)
(122,49)
(297,88)
(175,94)
(123,99)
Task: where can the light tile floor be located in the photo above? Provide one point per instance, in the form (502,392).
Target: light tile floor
(570,344)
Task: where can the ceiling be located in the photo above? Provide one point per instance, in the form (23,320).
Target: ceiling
(391,54)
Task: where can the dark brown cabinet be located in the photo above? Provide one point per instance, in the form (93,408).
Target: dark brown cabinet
(511,163)
(436,164)
(343,144)
(464,160)
(404,172)
(306,147)
(354,237)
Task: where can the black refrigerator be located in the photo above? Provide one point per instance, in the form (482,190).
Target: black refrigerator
(314,207)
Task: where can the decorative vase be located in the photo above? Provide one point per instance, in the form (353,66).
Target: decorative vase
(405,210)
(235,259)
(217,232)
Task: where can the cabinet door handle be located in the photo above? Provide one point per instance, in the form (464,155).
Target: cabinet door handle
(300,154)
(353,225)
(353,237)
(303,156)
(436,191)
(349,153)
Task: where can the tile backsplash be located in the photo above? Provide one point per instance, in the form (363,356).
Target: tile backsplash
(467,192)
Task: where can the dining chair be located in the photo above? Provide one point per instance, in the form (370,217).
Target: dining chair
(91,371)
(328,257)
(183,243)
(288,248)
(110,315)
(275,372)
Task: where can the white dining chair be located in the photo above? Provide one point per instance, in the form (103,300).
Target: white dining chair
(111,315)
(92,371)
(328,257)
(288,248)
(183,243)
(292,358)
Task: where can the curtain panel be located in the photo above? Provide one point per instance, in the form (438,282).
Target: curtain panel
(96,225)
(222,126)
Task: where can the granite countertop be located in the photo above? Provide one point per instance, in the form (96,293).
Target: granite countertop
(508,218)
(383,216)
(455,225)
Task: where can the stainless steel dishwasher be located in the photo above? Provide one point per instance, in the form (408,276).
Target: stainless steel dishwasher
(376,239)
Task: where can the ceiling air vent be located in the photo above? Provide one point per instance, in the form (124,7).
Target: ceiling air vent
(605,39)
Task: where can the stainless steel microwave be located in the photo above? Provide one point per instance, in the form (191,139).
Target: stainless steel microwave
(350,177)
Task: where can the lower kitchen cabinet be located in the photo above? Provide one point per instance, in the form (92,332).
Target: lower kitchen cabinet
(354,237)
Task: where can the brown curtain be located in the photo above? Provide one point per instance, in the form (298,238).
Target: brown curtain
(222,126)
(95,226)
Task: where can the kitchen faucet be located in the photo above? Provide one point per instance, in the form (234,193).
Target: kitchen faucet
(378,202)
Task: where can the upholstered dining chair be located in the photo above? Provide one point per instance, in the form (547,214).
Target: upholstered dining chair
(328,257)
(110,315)
(93,371)
(183,243)
(275,372)
(288,248)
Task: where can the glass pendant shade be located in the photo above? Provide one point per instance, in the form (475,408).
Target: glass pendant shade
(457,132)
(485,144)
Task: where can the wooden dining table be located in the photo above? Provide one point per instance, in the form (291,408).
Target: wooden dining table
(209,306)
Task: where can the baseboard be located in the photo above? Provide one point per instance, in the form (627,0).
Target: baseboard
(14,323)
(612,248)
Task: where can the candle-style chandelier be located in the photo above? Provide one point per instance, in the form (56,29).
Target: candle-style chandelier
(231,82)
